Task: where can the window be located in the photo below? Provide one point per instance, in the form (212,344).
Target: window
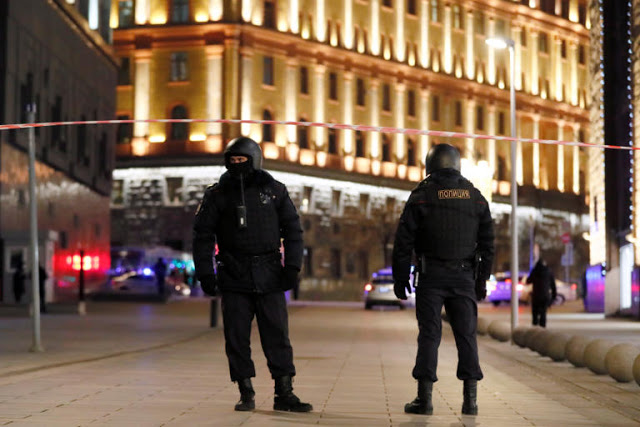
(387,3)
(336,256)
(581,54)
(179,11)
(360,92)
(304,80)
(411,152)
(457,17)
(363,257)
(81,143)
(435,109)
(582,13)
(565,9)
(480,117)
(360,142)
(548,6)
(523,37)
(124,72)
(563,49)
(306,201)
(174,190)
(179,131)
(178,67)
(501,123)
(267,70)
(269,17)
(411,103)
(333,86)
(56,116)
(125,13)
(386,148)
(364,203)
(102,152)
(333,141)
(543,43)
(458,113)
(411,7)
(478,17)
(267,128)
(336,195)
(435,12)
(303,134)
(125,130)
(386,97)
(307,262)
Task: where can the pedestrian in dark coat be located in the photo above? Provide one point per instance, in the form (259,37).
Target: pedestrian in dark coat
(19,278)
(447,224)
(160,271)
(248,213)
(42,277)
(543,290)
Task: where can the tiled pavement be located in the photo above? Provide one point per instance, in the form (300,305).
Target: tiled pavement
(160,365)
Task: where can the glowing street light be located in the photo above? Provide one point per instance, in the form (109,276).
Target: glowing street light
(506,43)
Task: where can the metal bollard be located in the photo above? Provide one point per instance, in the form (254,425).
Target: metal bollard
(215,312)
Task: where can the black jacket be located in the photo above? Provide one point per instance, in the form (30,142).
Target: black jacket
(544,284)
(446,219)
(249,258)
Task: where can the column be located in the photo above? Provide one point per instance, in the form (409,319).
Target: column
(558,7)
(491,144)
(557,69)
(294,16)
(468,40)
(533,48)
(319,97)
(374,118)
(347,28)
(246,89)
(142,11)
(216,7)
(573,72)
(517,51)
(214,95)
(290,108)
(424,33)
(491,54)
(247,9)
(576,160)
(469,127)
(320,21)
(536,151)
(399,113)
(424,123)
(400,46)
(347,113)
(141,94)
(374,34)
(446,34)
(560,156)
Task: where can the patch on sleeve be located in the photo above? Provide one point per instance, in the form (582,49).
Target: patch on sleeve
(454,193)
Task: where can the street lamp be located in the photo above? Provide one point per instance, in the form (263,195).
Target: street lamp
(506,43)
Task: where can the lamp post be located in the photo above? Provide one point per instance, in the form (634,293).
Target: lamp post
(506,43)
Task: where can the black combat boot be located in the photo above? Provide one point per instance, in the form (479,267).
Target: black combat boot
(470,393)
(285,400)
(246,402)
(421,404)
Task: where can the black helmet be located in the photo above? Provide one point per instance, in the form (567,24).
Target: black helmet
(244,146)
(442,156)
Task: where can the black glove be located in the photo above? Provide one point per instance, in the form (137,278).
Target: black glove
(289,277)
(481,289)
(209,285)
(401,289)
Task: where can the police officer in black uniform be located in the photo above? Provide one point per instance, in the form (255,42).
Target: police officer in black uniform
(247,213)
(447,224)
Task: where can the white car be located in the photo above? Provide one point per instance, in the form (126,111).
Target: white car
(564,292)
(379,291)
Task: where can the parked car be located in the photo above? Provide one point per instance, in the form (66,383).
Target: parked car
(564,292)
(144,282)
(379,291)
(499,287)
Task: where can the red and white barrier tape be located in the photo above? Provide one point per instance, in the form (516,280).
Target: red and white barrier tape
(339,126)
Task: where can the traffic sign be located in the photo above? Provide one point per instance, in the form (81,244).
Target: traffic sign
(566,238)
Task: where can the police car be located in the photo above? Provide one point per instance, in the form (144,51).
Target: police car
(379,291)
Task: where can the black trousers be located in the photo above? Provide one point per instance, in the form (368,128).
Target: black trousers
(270,310)
(539,313)
(462,311)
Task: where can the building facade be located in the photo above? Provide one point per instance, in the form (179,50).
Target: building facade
(56,55)
(420,64)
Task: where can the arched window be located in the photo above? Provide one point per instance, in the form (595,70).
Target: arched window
(179,131)
(386,148)
(411,152)
(303,134)
(267,129)
(360,142)
(333,141)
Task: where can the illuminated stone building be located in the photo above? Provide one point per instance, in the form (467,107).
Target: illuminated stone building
(56,54)
(420,64)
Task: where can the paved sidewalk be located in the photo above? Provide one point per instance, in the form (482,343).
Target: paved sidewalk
(160,365)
